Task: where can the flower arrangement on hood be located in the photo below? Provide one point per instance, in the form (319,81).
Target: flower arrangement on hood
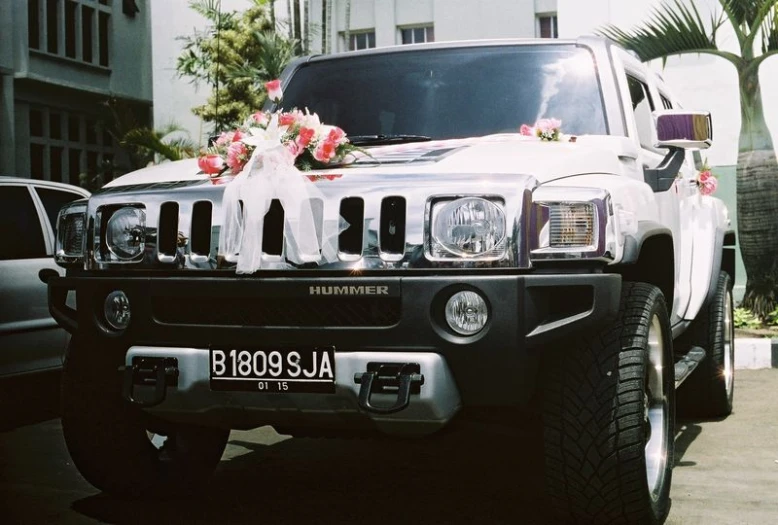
(706,181)
(311,143)
(547,130)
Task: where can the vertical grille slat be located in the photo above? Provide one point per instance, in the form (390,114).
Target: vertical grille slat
(167,232)
(200,239)
(352,209)
(392,232)
(273,229)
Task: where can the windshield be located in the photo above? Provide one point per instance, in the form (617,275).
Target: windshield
(453,93)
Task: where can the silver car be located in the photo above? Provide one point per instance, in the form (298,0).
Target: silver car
(30,340)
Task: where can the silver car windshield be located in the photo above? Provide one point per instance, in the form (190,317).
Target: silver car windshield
(453,93)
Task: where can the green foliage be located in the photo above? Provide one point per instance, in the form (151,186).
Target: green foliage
(168,143)
(746,319)
(234,56)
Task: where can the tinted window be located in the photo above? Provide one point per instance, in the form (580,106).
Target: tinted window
(450,93)
(20,227)
(642,105)
(53,200)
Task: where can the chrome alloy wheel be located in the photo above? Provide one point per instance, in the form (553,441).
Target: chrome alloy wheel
(728,338)
(657,410)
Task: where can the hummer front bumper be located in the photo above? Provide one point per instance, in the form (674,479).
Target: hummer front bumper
(366,318)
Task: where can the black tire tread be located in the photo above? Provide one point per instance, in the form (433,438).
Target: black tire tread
(594,419)
(703,394)
(106,437)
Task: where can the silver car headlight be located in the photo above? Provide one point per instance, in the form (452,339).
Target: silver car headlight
(571,223)
(71,227)
(120,233)
(471,228)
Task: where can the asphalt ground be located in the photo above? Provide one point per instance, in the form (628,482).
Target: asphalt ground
(726,473)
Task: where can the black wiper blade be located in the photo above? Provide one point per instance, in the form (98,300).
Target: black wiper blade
(378,140)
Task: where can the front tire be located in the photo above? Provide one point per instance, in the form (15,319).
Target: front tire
(119,449)
(609,417)
(710,389)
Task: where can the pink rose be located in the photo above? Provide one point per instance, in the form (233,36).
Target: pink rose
(325,151)
(336,135)
(704,175)
(286,119)
(210,164)
(225,138)
(548,124)
(305,136)
(294,148)
(709,186)
(525,130)
(274,92)
(260,118)
(237,156)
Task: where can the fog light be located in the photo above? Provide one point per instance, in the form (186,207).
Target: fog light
(466,313)
(117,310)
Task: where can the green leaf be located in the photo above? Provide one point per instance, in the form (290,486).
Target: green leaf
(672,29)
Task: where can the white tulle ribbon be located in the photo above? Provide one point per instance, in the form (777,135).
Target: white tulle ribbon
(270,174)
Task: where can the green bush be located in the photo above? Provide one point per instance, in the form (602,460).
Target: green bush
(746,319)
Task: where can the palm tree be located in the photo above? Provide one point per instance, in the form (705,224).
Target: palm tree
(158,145)
(675,29)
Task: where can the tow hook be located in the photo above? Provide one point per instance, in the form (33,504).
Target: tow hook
(402,379)
(156,372)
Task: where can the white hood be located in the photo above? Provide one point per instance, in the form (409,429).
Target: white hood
(500,154)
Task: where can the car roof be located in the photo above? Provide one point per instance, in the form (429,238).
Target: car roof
(5,179)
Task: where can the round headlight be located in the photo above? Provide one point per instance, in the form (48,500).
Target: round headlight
(116,310)
(124,233)
(468,227)
(466,313)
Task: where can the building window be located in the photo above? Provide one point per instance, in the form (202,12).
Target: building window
(63,145)
(417,35)
(77,29)
(547,26)
(361,40)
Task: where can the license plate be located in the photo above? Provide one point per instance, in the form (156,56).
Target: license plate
(298,370)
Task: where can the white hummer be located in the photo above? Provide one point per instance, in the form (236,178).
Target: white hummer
(479,267)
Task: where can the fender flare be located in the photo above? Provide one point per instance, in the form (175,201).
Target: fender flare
(723,258)
(633,243)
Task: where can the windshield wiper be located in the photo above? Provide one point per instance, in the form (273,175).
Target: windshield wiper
(378,140)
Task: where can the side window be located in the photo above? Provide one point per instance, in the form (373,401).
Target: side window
(20,226)
(53,200)
(642,105)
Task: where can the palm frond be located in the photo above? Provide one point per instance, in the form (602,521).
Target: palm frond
(747,14)
(770,31)
(672,29)
(153,141)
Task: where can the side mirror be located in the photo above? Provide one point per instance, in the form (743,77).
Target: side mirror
(683,129)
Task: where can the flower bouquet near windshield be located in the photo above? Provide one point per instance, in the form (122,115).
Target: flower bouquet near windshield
(312,145)
(547,130)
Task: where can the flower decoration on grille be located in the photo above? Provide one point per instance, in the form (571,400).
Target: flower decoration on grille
(547,130)
(313,145)
(706,181)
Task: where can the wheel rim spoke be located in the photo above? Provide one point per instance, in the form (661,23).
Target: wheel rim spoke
(656,410)
(729,354)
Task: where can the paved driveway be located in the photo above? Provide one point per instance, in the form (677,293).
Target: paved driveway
(727,473)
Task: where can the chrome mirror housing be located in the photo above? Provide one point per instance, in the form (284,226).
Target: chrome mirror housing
(683,129)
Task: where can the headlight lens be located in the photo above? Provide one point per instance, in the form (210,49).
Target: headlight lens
(466,313)
(469,227)
(572,223)
(116,310)
(71,225)
(125,233)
